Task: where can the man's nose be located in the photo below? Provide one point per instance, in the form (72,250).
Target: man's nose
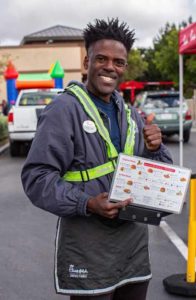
(109,64)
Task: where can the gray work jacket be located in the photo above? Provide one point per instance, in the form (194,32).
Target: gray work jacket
(94,255)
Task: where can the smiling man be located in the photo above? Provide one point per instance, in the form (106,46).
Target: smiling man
(106,67)
(69,170)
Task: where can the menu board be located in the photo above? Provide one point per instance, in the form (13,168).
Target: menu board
(150,183)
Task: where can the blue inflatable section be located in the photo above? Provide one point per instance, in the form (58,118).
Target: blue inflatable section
(12,92)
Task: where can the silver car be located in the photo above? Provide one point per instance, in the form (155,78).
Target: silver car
(165,107)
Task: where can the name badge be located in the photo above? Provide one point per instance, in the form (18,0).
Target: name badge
(89,126)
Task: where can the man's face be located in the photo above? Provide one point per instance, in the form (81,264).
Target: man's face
(106,63)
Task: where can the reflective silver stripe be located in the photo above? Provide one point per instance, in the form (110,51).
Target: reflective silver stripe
(104,290)
(130,140)
(92,111)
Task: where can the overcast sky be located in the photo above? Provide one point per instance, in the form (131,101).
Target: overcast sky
(19,17)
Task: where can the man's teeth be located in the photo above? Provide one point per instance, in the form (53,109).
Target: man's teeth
(107,79)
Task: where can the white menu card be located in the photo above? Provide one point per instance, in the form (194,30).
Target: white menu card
(150,183)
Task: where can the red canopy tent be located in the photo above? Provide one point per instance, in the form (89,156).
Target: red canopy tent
(131,85)
(187,40)
(187,45)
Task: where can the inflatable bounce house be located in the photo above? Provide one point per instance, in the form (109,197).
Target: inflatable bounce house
(15,81)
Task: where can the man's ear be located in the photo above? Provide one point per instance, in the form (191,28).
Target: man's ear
(85,63)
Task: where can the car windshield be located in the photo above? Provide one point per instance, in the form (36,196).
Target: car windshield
(162,101)
(37,98)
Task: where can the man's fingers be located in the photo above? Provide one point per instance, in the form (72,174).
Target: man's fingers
(113,213)
(151,129)
(152,136)
(114,210)
(102,206)
(124,203)
(104,195)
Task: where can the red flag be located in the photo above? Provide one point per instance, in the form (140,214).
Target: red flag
(187,40)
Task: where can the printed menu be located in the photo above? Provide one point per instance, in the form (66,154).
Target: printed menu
(150,183)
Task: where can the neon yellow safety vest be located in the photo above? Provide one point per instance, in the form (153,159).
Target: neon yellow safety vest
(92,111)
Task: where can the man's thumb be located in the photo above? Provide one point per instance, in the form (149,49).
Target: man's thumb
(150,118)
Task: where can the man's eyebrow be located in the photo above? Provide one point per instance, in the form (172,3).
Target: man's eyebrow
(99,54)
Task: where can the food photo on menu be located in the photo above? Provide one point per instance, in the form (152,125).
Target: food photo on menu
(150,184)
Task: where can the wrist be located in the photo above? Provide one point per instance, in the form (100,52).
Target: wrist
(152,148)
(89,206)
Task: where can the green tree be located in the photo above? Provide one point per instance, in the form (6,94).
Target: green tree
(189,74)
(191,65)
(152,73)
(166,52)
(166,56)
(136,65)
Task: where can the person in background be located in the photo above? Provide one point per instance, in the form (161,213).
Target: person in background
(69,169)
(5,107)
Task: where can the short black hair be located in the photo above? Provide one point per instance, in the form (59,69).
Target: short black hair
(111,29)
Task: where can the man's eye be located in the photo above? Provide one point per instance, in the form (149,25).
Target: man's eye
(100,59)
(120,63)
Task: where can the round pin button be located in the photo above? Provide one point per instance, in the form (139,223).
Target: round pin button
(89,126)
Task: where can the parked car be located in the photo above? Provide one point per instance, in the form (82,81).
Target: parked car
(165,107)
(23,116)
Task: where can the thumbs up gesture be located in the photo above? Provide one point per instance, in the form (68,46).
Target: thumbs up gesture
(152,134)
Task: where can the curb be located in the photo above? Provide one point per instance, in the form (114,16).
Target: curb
(4,148)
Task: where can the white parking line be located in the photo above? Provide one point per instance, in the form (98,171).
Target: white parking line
(174,238)
(4,147)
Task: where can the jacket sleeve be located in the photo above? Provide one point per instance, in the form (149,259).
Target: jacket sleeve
(162,154)
(49,158)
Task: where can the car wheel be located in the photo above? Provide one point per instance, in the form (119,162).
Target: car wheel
(186,136)
(14,149)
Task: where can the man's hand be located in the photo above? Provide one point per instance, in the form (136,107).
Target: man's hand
(152,137)
(101,206)
(152,134)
